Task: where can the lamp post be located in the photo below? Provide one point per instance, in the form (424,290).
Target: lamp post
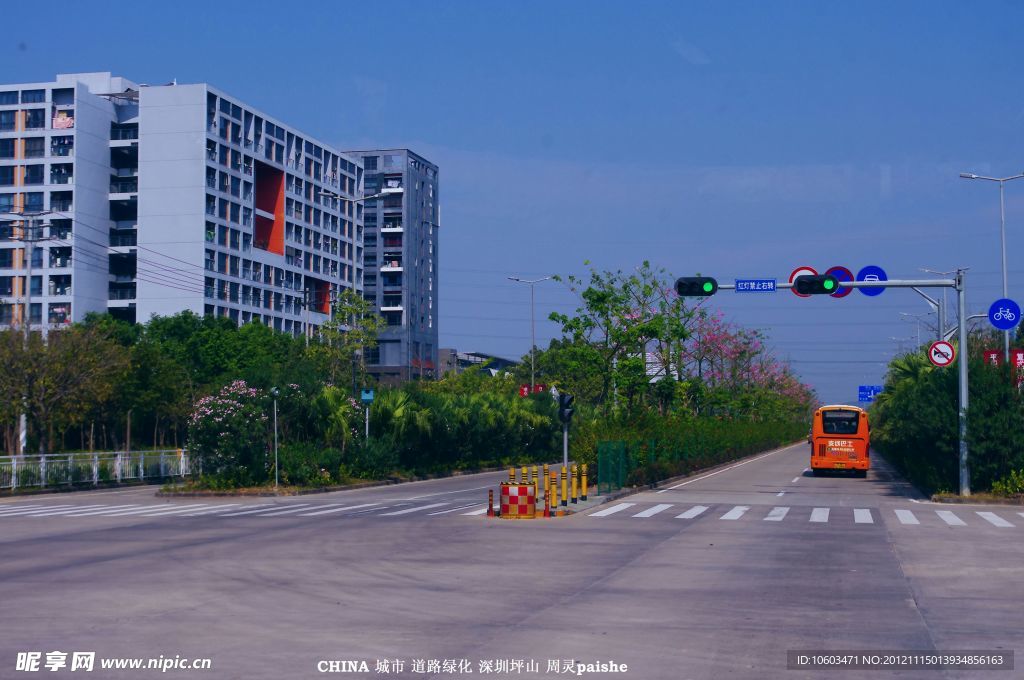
(274,392)
(533,326)
(1002,237)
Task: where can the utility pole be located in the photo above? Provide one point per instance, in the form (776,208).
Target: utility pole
(533,327)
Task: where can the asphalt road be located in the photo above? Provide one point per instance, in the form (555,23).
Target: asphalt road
(716,577)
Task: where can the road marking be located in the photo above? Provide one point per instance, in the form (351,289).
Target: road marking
(777,514)
(795,480)
(650,512)
(409,510)
(115,508)
(447,493)
(819,515)
(736,512)
(612,510)
(298,508)
(1021,514)
(69,508)
(781,493)
(341,509)
(176,511)
(906,517)
(993,518)
(213,511)
(445,512)
(718,472)
(477,512)
(16,507)
(32,508)
(862,516)
(692,512)
(149,508)
(950,519)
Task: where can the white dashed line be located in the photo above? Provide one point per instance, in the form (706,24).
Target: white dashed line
(692,512)
(777,514)
(736,512)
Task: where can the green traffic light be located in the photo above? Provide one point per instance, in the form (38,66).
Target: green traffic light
(708,286)
(829,284)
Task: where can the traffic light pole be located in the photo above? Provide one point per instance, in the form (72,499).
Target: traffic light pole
(565,444)
(958,284)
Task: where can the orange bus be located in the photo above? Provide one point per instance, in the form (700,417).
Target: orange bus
(840,440)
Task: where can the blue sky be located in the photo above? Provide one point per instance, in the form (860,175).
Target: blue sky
(730,138)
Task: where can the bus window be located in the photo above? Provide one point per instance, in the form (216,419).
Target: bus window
(840,422)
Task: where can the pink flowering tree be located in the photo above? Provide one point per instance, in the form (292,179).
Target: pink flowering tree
(229,433)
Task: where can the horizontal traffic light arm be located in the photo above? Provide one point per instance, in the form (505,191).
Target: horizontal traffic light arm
(898,283)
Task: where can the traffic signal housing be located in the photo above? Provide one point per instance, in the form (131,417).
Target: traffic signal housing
(821,284)
(696,286)
(565,409)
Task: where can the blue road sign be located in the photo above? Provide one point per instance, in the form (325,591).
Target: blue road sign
(366,396)
(868,392)
(755,285)
(841,274)
(1004,314)
(872,273)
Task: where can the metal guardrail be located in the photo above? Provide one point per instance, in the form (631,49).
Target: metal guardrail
(66,469)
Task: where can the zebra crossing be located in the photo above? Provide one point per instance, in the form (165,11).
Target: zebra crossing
(238,510)
(818,515)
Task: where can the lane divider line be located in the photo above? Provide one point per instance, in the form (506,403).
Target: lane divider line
(731,467)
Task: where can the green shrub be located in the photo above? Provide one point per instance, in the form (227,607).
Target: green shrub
(1011,485)
(309,465)
(372,459)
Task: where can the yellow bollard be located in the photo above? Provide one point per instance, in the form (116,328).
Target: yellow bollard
(574,470)
(547,485)
(524,476)
(511,475)
(583,483)
(533,476)
(554,488)
(565,487)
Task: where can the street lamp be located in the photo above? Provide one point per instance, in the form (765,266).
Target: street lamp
(533,326)
(274,392)
(1002,236)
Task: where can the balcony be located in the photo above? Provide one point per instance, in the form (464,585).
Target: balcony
(392,265)
(121,294)
(120,240)
(391,227)
(120,134)
(124,186)
(62,149)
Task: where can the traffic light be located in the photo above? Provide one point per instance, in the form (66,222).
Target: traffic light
(821,284)
(696,286)
(565,409)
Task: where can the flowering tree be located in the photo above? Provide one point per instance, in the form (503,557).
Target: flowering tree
(228,431)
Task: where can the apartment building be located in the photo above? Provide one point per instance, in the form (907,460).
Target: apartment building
(401,276)
(159,199)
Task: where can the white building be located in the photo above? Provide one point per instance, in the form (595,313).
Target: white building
(158,199)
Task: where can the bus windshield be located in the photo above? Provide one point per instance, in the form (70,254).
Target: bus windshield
(839,422)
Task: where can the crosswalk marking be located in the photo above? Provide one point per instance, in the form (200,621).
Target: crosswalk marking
(862,516)
(994,519)
(176,511)
(297,508)
(344,508)
(66,509)
(819,515)
(619,507)
(225,507)
(445,512)
(777,514)
(119,512)
(9,509)
(89,513)
(409,510)
(31,508)
(950,519)
(650,512)
(477,512)
(906,517)
(692,512)
(736,512)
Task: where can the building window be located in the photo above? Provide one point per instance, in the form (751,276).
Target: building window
(370,162)
(35,147)
(8,98)
(6,148)
(33,96)
(35,119)
(34,175)
(6,121)
(6,175)
(34,202)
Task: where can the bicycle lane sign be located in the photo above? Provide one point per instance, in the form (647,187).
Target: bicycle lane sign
(1004,314)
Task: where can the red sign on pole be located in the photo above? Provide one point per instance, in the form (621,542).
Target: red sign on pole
(539,387)
(524,390)
(1017,361)
(993,357)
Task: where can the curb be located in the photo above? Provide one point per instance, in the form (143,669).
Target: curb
(973,500)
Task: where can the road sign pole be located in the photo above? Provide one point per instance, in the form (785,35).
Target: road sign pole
(965,475)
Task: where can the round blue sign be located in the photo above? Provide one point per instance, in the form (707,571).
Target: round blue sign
(1004,314)
(841,274)
(872,273)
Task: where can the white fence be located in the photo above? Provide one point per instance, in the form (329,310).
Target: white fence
(17,472)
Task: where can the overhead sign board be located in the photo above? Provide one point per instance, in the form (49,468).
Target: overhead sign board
(872,273)
(840,274)
(755,285)
(941,353)
(867,393)
(801,271)
(1004,314)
